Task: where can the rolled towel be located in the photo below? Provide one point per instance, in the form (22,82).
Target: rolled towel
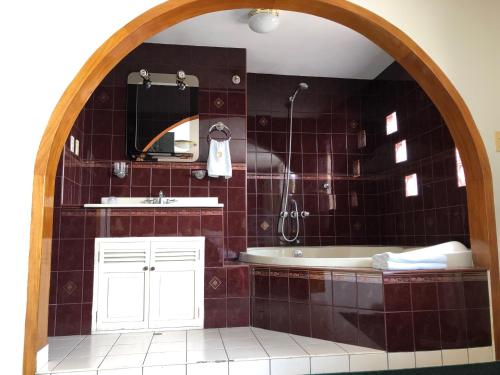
(395,266)
(410,257)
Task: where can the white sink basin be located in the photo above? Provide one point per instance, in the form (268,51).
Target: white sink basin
(144,202)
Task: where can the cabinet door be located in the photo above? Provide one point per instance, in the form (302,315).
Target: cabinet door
(122,276)
(176,283)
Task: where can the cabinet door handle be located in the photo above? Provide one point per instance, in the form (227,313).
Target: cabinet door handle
(145,268)
(153,268)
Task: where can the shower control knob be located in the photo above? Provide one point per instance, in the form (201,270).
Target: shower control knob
(305,213)
(283,214)
(294,214)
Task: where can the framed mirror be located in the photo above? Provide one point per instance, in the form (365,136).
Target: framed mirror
(162,117)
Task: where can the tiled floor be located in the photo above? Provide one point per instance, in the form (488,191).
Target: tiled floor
(228,351)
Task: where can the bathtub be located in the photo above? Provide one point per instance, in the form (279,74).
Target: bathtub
(342,256)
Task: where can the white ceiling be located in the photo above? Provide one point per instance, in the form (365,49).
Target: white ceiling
(302,45)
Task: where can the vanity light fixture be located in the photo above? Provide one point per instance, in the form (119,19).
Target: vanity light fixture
(120,169)
(263,20)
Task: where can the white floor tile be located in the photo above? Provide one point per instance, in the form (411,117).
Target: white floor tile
(121,371)
(48,367)
(161,347)
(285,351)
(455,357)
(354,349)
(134,338)
(260,367)
(83,364)
(209,333)
(140,348)
(252,353)
(329,348)
(236,332)
(481,354)
(330,364)
(277,341)
(99,340)
(290,366)
(401,360)
(168,358)
(205,344)
(59,353)
(165,370)
(259,332)
(89,351)
(194,356)
(241,342)
(56,339)
(122,361)
(169,336)
(428,358)
(368,362)
(212,368)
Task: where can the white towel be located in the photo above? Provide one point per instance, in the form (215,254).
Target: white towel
(407,266)
(410,257)
(219,159)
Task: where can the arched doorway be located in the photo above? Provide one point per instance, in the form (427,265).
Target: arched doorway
(391,39)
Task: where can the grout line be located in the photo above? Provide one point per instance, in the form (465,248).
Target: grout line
(149,346)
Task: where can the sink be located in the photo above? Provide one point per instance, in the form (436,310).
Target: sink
(139,200)
(144,202)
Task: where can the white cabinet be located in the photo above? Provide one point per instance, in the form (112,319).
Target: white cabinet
(148,282)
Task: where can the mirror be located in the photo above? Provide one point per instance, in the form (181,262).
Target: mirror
(162,117)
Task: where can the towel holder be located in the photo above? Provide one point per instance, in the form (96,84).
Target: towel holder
(219,126)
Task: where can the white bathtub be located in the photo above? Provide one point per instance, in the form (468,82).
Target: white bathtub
(341,256)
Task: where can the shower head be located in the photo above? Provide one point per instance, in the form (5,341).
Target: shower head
(301,86)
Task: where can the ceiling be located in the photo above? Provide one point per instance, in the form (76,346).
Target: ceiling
(302,45)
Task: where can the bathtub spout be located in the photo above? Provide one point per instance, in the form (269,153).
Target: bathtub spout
(297,253)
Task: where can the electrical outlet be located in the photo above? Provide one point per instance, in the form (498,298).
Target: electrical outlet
(77,147)
(72,144)
(497,141)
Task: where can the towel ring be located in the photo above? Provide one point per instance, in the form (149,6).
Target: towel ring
(219,127)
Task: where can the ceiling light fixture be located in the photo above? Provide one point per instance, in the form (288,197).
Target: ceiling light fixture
(263,20)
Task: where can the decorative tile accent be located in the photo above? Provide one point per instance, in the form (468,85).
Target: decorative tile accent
(215,282)
(70,287)
(218,102)
(264,225)
(263,121)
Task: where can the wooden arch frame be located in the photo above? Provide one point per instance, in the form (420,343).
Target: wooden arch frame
(406,52)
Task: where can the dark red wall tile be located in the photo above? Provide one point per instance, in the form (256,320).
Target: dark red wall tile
(238,312)
(426,330)
(260,313)
(278,284)
(453,329)
(238,281)
(279,316)
(215,282)
(215,312)
(300,319)
(399,328)
(345,325)
(322,322)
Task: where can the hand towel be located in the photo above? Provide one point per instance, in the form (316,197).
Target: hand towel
(219,159)
(407,266)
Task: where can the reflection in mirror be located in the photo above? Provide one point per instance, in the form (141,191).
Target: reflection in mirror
(162,116)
